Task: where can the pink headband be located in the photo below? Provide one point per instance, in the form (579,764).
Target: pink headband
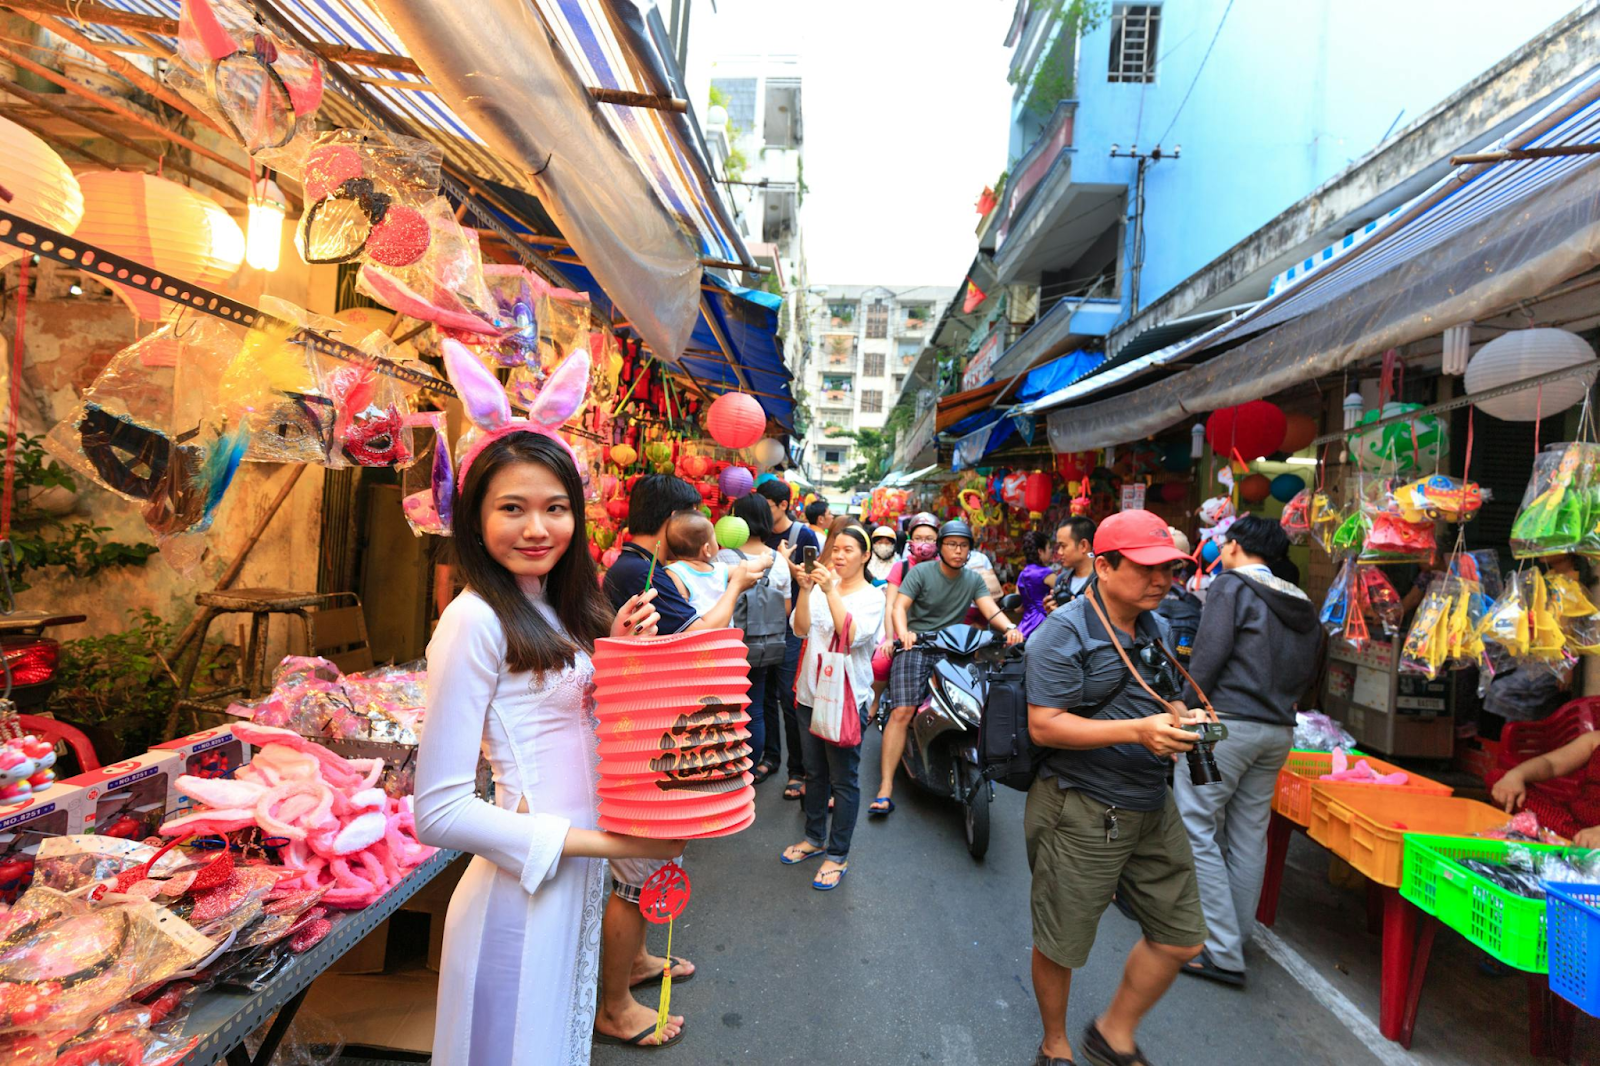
(499,433)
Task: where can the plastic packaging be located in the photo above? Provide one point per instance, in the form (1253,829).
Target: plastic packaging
(151,430)
(252,82)
(1389,535)
(365,197)
(1315,731)
(1296,517)
(1439,498)
(64,960)
(369,415)
(1556,514)
(1444,630)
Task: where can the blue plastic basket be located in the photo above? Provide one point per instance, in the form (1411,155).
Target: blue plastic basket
(1573,920)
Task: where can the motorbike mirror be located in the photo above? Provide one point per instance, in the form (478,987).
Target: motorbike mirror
(1010,601)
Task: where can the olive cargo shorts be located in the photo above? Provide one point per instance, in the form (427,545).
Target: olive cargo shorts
(1076,870)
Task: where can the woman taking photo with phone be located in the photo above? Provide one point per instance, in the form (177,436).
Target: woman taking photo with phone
(508,672)
(836,598)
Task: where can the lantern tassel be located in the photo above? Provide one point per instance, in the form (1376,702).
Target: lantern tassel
(666,988)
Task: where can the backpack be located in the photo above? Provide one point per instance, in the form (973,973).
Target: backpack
(760,614)
(1182,614)
(1006,753)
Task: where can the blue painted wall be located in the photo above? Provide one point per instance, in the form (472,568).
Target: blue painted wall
(1293,92)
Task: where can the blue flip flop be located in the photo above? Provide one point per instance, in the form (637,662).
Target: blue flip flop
(880,812)
(817,884)
(795,862)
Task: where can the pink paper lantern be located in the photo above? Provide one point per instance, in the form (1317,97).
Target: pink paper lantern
(736,420)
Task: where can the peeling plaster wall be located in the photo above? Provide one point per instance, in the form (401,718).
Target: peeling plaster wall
(68,339)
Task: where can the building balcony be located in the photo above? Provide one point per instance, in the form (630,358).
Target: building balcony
(1048,220)
(838,398)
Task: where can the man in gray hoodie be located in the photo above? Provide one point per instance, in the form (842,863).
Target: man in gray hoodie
(1255,654)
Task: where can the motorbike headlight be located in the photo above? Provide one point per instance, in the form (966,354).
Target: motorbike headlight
(963,703)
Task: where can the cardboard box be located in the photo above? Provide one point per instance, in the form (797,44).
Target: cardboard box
(56,810)
(208,753)
(129,798)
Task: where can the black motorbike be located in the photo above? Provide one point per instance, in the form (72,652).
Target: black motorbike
(941,753)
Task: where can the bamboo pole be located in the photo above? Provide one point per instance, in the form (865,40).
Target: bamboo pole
(112,104)
(99,128)
(1518,154)
(722,341)
(118,65)
(624,98)
(63,144)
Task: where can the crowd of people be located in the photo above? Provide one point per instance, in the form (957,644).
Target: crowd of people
(1125,665)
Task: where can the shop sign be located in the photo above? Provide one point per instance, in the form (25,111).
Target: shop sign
(981,370)
(1133,496)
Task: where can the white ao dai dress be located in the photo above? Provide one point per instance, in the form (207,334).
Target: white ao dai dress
(522,936)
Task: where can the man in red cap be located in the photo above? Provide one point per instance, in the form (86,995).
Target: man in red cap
(1100,813)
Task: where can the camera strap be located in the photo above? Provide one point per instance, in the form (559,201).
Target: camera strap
(1094,601)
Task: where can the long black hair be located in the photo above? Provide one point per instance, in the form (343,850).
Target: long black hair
(571,586)
(756,514)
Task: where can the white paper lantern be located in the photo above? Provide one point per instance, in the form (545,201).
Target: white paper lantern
(1523,354)
(42,187)
(769,452)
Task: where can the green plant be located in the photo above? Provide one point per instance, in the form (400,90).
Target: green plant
(874,448)
(801,188)
(121,682)
(1050,80)
(41,539)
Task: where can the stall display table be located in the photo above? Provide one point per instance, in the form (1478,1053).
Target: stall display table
(223,1019)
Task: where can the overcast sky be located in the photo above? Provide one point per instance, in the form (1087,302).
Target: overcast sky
(906,118)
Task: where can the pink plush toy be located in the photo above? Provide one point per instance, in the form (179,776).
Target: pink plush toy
(1362,773)
(43,754)
(345,835)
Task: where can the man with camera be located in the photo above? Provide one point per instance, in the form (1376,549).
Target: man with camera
(1256,653)
(1102,698)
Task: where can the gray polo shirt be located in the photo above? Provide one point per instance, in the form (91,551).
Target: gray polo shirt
(1072,664)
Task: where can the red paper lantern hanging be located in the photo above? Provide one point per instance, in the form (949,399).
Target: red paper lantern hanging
(736,420)
(1255,488)
(673,749)
(1075,466)
(1036,494)
(695,465)
(1299,432)
(1174,491)
(617,507)
(1252,429)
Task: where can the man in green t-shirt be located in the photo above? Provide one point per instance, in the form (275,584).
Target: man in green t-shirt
(930,598)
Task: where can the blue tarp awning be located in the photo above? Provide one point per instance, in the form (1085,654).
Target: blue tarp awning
(1057,374)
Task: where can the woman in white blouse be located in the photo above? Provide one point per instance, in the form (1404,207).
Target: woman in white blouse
(508,671)
(838,598)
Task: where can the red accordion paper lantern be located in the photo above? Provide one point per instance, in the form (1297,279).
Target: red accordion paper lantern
(695,465)
(673,742)
(1036,494)
(736,420)
(1255,488)
(1252,429)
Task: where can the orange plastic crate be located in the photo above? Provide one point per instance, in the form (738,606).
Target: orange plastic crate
(1291,797)
(1366,827)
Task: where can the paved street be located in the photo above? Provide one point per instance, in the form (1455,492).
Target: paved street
(922,957)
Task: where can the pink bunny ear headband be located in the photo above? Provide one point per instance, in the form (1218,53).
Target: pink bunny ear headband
(484,399)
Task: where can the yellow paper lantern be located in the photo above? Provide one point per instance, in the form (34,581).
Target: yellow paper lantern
(42,187)
(184,236)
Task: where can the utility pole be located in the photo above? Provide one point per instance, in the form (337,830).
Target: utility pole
(1144,159)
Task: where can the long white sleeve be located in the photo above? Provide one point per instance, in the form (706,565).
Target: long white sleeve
(465,661)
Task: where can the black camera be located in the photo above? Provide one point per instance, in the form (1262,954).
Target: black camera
(1202,758)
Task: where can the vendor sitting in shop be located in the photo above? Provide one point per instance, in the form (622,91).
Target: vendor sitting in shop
(1570,803)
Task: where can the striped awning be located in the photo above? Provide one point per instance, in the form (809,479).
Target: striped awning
(677,171)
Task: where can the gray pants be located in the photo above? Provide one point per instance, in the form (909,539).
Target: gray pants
(1227,825)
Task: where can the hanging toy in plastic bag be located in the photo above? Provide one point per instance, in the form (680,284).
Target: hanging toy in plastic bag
(1390,536)
(365,194)
(1337,605)
(430,510)
(1351,534)
(1507,622)
(1545,639)
(1575,611)
(1427,645)
(515,313)
(1438,498)
(273,382)
(1553,512)
(1296,517)
(369,421)
(1380,597)
(256,85)
(1324,519)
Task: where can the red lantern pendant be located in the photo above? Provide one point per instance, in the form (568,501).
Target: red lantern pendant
(736,420)
(1036,494)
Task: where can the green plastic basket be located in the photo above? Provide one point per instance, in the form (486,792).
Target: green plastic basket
(1508,926)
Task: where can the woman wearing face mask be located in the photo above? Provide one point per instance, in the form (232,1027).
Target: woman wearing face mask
(881,561)
(922,544)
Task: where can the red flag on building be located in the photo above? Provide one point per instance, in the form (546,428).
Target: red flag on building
(973,298)
(986,201)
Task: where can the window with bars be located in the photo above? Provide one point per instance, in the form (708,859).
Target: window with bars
(1133,42)
(872,401)
(872,364)
(877,321)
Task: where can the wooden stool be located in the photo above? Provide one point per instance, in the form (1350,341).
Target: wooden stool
(260,605)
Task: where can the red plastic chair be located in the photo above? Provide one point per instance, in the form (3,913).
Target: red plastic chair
(1520,741)
(74,738)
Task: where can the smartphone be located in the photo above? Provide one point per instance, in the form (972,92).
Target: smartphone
(808,558)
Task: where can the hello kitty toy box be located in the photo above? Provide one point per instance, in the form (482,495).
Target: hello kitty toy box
(54,810)
(130,798)
(209,753)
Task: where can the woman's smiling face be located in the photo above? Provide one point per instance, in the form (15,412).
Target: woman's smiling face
(528,520)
